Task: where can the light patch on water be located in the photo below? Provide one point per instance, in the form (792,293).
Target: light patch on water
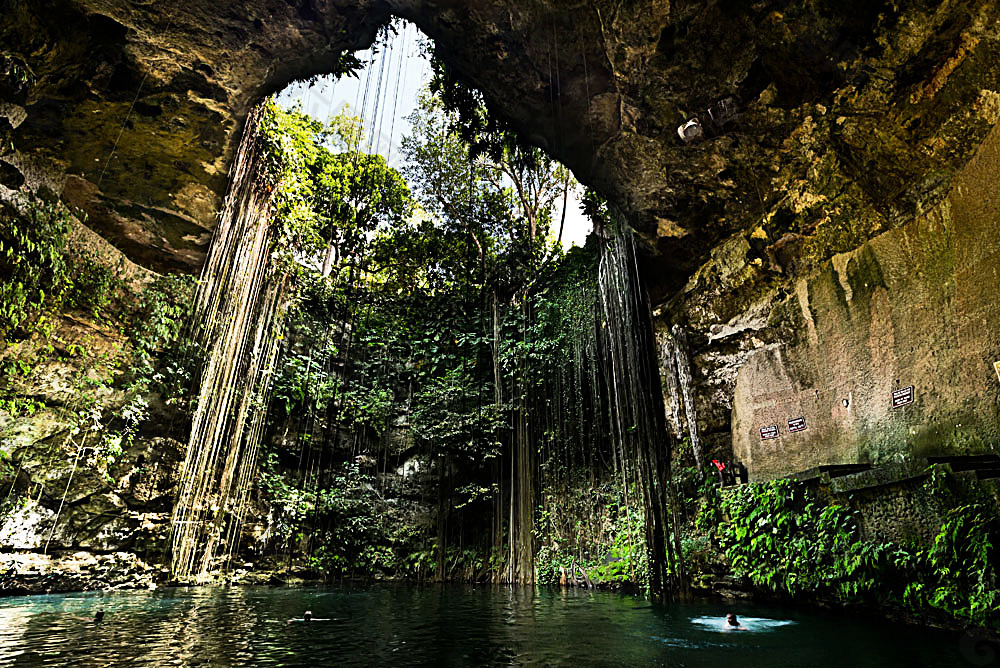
(683,643)
(757,624)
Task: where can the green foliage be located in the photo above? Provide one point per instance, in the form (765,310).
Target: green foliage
(343,526)
(591,526)
(485,133)
(329,197)
(21,406)
(367,408)
(450,415)
(55,279)
(595,207)
(93,285)
(32,261)
(44,274)
(114,442)
(303,382)
(395,332)
(780,540)
(626,561)
(165,359)
(779,537)
(961,571)
(494,211)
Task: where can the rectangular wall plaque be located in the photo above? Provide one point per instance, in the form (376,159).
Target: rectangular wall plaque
(796,424)
(767,433)
(902,397)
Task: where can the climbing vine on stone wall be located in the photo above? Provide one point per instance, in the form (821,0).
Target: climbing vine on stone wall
(782,537)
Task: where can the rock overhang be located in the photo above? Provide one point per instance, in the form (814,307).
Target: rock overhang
(849,117)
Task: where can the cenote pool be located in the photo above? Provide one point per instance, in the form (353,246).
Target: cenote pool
(397,625)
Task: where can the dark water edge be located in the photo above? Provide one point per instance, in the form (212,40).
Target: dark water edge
(397,624)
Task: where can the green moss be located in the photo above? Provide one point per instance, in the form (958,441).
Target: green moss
(32,262)
(962,434)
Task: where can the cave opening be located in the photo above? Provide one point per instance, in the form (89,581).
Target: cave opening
(418,348)
(354,328)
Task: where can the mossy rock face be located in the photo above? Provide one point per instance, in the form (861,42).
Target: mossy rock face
(852,115)
(913,306)
(908,112)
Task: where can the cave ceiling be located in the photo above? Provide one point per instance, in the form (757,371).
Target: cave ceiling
(831,120)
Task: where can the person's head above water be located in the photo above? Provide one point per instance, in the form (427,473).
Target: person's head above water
(308,615)
(732,620)
(99,616)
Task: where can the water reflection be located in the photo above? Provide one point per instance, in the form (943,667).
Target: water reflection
(440,626)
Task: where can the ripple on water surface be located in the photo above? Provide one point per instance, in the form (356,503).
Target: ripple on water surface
(397,625)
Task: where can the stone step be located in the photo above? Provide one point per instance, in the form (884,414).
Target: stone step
(832,470)
(966,462)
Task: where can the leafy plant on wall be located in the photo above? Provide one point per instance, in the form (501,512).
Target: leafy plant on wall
(779,536)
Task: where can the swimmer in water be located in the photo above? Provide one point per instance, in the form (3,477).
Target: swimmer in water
(97,618)
(308,617)
(733,624)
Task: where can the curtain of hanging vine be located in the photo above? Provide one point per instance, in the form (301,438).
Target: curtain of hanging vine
(235,322)
(638,422)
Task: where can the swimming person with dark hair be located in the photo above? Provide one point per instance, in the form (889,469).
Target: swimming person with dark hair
(97,618)
(733,624)
(308,617)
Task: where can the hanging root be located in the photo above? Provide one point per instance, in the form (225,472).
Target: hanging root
(574,569)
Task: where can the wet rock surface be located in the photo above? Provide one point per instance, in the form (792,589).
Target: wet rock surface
(34,573)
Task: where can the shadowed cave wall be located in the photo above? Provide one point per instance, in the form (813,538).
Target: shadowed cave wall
(854,119)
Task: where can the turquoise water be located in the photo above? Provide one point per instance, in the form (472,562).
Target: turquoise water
(398,625)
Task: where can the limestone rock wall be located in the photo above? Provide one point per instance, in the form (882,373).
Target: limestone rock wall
(849,115)
(64,483)
(851,119)
(914,306)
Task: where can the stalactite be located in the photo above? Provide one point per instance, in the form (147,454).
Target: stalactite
(675,368)
(686,383)
(238,299)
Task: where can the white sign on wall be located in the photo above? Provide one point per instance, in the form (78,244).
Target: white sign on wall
(769,432)
(903,397)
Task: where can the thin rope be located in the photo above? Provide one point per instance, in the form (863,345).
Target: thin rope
(55,522)
(404,60)
(128,114)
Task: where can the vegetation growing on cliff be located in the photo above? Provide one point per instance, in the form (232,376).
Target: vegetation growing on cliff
(32,260)
(438,340)
(83,354)
(782,537)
